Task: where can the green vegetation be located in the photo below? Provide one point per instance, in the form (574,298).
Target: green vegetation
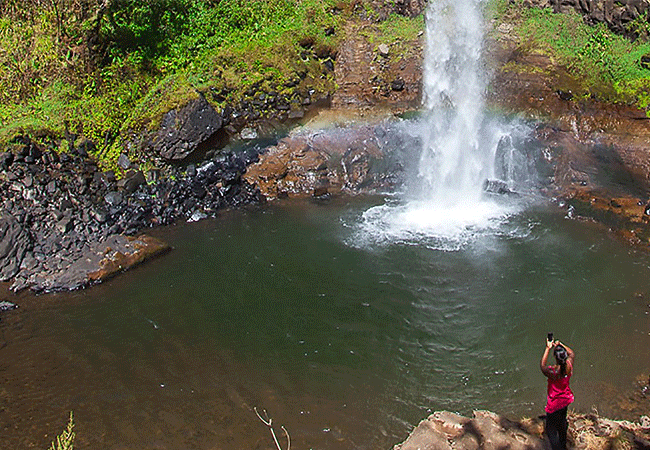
(400,29)
(105,70)
(602,64)
(97,69)
(65,441)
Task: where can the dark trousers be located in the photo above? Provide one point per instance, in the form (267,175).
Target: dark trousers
(556,429)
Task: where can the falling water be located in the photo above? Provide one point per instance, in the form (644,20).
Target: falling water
(445,206)
(454,160)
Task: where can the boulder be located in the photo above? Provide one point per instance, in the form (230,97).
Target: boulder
(7,306)
(327,162)
(485,430)
(100,261)
(124,162)
(6,158)
(15,241)
(184,130)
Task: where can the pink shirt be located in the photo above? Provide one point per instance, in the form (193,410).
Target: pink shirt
(558,393)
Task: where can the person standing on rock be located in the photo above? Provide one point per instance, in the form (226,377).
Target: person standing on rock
(558,392)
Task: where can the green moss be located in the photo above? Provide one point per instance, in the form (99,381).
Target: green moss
(400,28)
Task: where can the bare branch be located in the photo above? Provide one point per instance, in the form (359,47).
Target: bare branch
(288,438)
(266,420)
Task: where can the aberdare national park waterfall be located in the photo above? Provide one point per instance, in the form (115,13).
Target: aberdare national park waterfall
(349,320)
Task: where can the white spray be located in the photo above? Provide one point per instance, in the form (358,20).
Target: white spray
(445,207)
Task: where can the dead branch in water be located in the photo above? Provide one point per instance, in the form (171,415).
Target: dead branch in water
(266,420)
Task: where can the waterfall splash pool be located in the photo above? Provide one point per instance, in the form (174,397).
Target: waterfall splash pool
(347,346)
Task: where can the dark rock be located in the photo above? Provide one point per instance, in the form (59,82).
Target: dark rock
(183,130)
(6,159)
(296,114)
(124,162)
(7,306)
(198,191)
(86,147)
(329,65)
(51,187)
(191,171)
(321,192)
(65,204)
(99,262)
(114,198)
(133,182)
(397,84)
(56,214)
(100,215)
(109,175)
(64,225)
(496,187)
(15,241)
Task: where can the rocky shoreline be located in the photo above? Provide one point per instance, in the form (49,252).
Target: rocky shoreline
(489,431)
(65,224)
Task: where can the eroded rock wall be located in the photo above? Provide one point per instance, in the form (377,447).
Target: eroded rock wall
(621,16)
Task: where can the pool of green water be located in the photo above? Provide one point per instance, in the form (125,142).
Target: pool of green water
(348,344)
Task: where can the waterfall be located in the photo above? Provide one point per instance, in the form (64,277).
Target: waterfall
(455,159)
(444,206)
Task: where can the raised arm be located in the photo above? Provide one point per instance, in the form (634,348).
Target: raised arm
(543,363)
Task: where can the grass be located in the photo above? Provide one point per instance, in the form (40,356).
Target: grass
(146,58)
(604,65)
(65,441)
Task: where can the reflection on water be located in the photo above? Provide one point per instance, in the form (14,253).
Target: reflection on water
(347,346)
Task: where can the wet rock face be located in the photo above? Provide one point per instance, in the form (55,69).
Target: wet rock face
(184,130)
(58,208)
(347,160)
(371,75)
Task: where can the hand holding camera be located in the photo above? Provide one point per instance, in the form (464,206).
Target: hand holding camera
(549,340)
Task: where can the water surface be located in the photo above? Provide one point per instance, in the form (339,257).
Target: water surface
(347,345)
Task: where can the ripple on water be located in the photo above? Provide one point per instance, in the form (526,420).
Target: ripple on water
(434,226)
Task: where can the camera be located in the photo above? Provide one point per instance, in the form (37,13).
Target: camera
(549,337)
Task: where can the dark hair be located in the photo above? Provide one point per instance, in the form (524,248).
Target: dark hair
(561,357)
